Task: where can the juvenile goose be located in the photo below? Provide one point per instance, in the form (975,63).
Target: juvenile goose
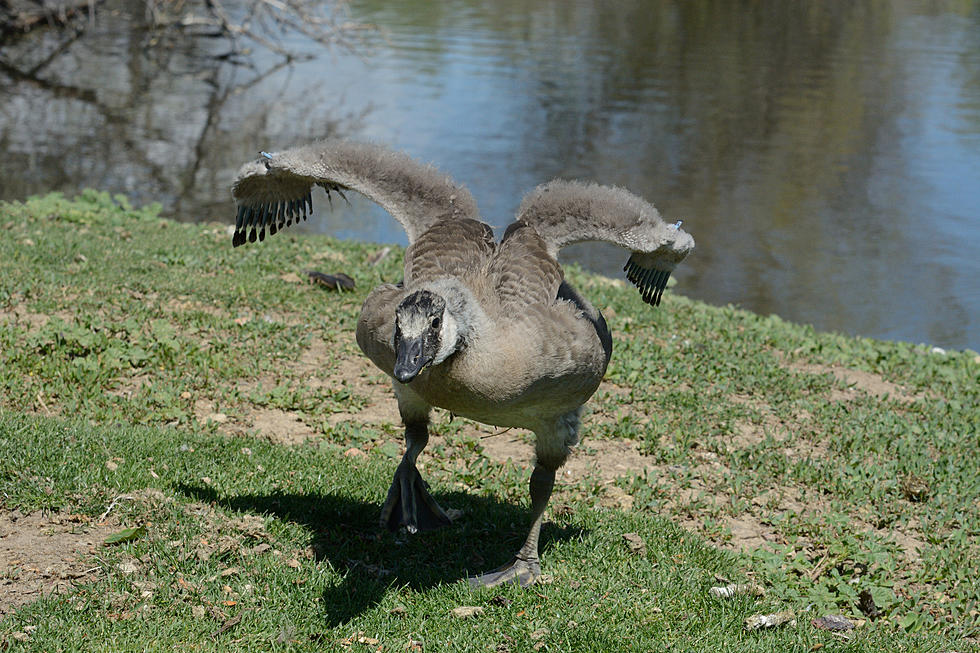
(489,331)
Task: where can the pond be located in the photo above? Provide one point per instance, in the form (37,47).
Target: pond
(825,156)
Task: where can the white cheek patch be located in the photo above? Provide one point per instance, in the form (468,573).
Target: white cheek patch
(447,338)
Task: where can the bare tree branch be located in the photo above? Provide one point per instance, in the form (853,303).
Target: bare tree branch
(262,21)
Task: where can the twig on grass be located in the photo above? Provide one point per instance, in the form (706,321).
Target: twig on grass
(112,505)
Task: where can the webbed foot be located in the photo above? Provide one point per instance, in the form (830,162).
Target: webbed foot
(520,571)
(409,504)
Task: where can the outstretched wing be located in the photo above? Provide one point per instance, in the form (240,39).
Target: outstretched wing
(274,191)
(566,212)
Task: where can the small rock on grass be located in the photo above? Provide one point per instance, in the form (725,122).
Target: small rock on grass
(759,621)
(467,611)
(832,622)
(635,543)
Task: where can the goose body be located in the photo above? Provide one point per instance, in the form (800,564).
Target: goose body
(521,363)
(489,331)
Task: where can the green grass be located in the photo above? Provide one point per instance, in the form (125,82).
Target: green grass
(121,334)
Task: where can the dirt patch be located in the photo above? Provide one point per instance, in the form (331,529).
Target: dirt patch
(130,386)
(362,377)
(601,461)
(856,380)
(746,435)
(357,373)
(20,315)
(604,461)
(41,554)
(184,304)
(373,413)
(280,426)
(316,367)
(274,424)
(910,542)
(314,359)
(748,532)
(790,435)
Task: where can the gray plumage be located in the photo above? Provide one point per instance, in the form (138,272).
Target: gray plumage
(490,331)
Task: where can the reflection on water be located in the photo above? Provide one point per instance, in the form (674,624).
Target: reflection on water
(826,156)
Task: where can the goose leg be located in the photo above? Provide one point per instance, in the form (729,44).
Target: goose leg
(554,444)
(525,567)
(409,503)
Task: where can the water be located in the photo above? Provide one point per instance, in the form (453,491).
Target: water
(825,156)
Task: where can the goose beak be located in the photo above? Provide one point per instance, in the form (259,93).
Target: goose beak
(409,358)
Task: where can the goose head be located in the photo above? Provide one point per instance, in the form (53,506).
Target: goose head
(426,333)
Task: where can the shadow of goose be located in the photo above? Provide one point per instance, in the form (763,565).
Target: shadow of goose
(371,561)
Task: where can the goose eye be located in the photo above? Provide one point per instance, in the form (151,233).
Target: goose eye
(435,323)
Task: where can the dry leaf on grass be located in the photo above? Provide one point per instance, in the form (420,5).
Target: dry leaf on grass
(737,589)
(126,535)
(339,281)
(867,605)
(467,611)
(128,567)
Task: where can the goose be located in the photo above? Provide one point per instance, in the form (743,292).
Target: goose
(487,330)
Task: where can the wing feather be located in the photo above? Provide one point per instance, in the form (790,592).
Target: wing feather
(566,212)
(274,191)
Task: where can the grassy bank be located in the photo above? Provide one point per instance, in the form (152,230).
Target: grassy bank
(156,379)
